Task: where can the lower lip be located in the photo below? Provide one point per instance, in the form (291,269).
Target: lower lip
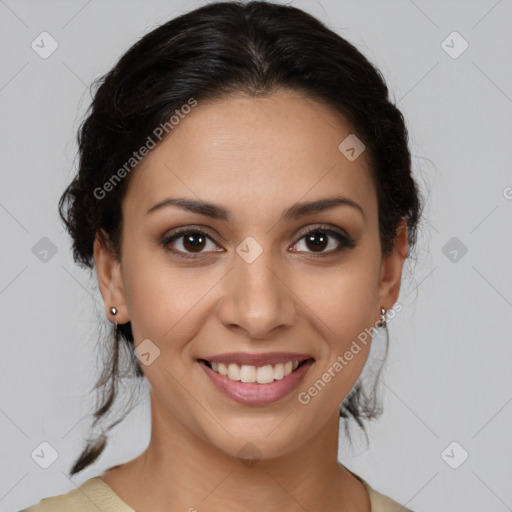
(254,393)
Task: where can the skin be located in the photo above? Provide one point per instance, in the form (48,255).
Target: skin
(255,157)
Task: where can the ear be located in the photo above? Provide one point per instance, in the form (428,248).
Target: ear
(391,269)
(110,281)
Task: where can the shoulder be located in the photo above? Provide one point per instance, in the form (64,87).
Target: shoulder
(380,502)
(91,496)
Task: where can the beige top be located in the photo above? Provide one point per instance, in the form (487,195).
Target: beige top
(95,495)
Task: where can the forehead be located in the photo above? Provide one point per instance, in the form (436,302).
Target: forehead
(254,152)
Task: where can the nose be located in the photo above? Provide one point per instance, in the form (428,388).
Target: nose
(257,298)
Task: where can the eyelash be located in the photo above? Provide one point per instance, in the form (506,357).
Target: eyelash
(346,242)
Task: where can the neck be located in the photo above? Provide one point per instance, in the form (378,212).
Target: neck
(181,471)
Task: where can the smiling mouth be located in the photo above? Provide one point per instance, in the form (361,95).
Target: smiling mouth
(265,374)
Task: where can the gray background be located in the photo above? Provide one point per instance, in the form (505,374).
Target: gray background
(448,374)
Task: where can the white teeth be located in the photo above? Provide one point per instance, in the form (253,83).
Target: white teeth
(265,374)
(261,374)
(234,371)
(247,373)
(278,371)
(222,369)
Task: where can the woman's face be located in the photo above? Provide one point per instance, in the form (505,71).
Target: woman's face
(251,282)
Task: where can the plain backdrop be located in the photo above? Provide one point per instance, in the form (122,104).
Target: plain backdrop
(443,442)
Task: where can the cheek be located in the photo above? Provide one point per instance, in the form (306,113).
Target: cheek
(343,310)
(342,299)
(162,301)
(342,306)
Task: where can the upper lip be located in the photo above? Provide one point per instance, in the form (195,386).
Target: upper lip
(267,358)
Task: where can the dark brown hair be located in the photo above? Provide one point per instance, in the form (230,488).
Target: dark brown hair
(217,50)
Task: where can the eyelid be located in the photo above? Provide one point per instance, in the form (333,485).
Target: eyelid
(323,227)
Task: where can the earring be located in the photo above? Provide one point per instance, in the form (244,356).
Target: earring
(382,322)
(113,311)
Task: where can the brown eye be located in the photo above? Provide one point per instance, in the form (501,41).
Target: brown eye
(189,243)
(194,242)
(318,239)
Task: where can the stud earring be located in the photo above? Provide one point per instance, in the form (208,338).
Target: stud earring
(383,321)
(113,311)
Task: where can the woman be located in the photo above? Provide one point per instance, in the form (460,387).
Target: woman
(245,195)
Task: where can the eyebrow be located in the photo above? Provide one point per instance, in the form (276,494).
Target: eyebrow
(294,212)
